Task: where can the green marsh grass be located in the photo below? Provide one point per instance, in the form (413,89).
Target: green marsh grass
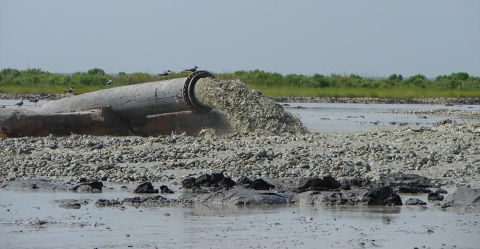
(45,89)
(344,92)
(455,85)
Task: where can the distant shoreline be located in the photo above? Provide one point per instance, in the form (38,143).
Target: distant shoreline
(424,101)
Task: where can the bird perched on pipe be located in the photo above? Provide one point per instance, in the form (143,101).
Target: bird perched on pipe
(69,90)
(165,74)
(194,69)
(19,103)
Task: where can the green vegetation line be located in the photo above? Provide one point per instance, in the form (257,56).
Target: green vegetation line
(455,85)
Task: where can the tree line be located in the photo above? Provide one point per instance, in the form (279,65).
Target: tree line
(98,77)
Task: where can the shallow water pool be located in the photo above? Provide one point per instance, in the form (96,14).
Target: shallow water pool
(218,226)
(358,118)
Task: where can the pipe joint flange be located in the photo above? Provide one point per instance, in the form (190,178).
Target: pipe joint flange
(189,95)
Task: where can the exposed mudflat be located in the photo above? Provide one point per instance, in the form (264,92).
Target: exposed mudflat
(446,152)
(277,149)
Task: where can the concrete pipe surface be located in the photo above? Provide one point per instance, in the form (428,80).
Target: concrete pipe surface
(139,100)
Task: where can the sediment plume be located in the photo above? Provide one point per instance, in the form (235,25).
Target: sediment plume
(246,110)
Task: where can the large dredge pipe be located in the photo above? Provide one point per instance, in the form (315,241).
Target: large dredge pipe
(135,101)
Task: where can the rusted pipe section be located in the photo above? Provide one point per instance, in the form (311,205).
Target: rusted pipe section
(21,123)
(148,109)
(134,101)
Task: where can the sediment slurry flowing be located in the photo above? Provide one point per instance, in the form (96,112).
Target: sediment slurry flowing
(247,110)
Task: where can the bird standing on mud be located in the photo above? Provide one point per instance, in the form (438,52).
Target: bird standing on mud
(53,146)
(194,69)
(165,74)
(109,83)
(98,146)
(19,103)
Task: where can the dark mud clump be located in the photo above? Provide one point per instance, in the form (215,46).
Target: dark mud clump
(44,184)
(407,183)
(415,202)
(71,203)
(246,110)
(216,180)
(146,188)
(373,196)
(94,186)
(260,184)
(164,189)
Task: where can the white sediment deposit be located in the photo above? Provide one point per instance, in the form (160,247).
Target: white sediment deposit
(447,152)
(247,110)
(268,143)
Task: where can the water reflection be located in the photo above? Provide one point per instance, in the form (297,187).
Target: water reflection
(209,226)
(354,118)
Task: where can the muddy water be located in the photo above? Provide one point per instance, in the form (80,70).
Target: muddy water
(357,118)
(217,226)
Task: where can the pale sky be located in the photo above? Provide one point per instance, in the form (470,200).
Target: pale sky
(369,38)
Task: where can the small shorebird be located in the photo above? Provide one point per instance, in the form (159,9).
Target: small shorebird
(69,90)
(98,146)
(53,146)
(19,103)
(173,140)
(192,69)
(165,74)
(109,83)
(35,100)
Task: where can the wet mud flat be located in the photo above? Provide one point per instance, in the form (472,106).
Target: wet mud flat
(446,153)
(268,184)
(271,213)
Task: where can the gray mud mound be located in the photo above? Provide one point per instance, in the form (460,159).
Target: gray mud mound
(42,184)
(240,196)
(247,110)
(375,196)
(463,197)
